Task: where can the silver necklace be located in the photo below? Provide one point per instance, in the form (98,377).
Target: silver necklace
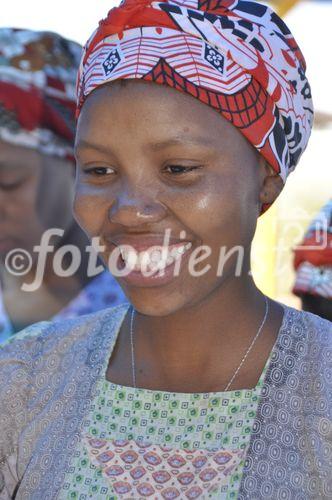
(133,366)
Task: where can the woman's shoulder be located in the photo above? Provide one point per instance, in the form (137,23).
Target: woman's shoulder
(47,360)
(53,352)
(57,336)
(308,324)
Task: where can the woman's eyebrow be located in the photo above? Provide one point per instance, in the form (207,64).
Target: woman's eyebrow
(180,141)
(85,144)
(154,146)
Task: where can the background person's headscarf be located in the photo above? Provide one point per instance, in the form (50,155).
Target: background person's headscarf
(37,90)
(238,57)
(313,258)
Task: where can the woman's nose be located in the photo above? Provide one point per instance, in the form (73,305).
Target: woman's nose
(134,210)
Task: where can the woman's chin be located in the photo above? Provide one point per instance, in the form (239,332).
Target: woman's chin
(152,302)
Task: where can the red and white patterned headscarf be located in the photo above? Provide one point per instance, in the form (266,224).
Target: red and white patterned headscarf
(236,56)
(37,90)
(313,258)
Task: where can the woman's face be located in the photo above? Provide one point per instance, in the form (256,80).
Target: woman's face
(151,159)
(36,193)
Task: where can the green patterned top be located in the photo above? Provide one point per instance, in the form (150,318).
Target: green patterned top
(142,443)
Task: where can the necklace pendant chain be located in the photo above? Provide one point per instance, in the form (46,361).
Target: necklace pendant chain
(251,345)
(133,365)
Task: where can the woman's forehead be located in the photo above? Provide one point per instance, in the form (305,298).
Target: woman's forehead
(142,92)
(159,114)
(16,156)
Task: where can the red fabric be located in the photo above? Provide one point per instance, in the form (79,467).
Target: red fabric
(38,72)
(133,14)
(314,252)
(32,111)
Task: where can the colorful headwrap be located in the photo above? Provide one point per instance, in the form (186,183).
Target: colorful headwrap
(313,258)
(236,56)
(37,90)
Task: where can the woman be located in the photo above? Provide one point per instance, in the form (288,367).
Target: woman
(191,116)
(37,123)
(313,265)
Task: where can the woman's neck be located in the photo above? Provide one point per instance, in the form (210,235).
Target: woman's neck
(197,335)
(199,348)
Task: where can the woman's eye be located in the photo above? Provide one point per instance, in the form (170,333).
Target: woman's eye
(10,186)
(99,171)
(180,169)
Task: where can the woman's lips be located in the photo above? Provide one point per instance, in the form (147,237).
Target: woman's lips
(142,265)
(141,242)
(154,258)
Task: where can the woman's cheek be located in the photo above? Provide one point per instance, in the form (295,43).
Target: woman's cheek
(219,217)
(90,211)
(213,206)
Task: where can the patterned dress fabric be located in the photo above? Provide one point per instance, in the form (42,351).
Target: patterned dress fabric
(236,56)
(143,443)
(50,376)
(37,90)
(101,293)
(313,257)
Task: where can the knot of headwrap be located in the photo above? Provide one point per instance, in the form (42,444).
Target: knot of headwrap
(237,56)
(37,90)
(130,14)
(313,257)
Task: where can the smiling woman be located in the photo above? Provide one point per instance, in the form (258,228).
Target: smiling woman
(167,162)
(191,115)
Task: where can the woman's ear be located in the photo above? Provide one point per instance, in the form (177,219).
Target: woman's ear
(271,185)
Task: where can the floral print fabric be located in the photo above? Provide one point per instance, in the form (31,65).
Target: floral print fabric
(162,444)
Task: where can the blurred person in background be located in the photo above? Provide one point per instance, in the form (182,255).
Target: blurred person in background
(37,126)
(313,265)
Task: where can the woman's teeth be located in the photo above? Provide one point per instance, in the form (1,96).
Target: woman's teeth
(154,258)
